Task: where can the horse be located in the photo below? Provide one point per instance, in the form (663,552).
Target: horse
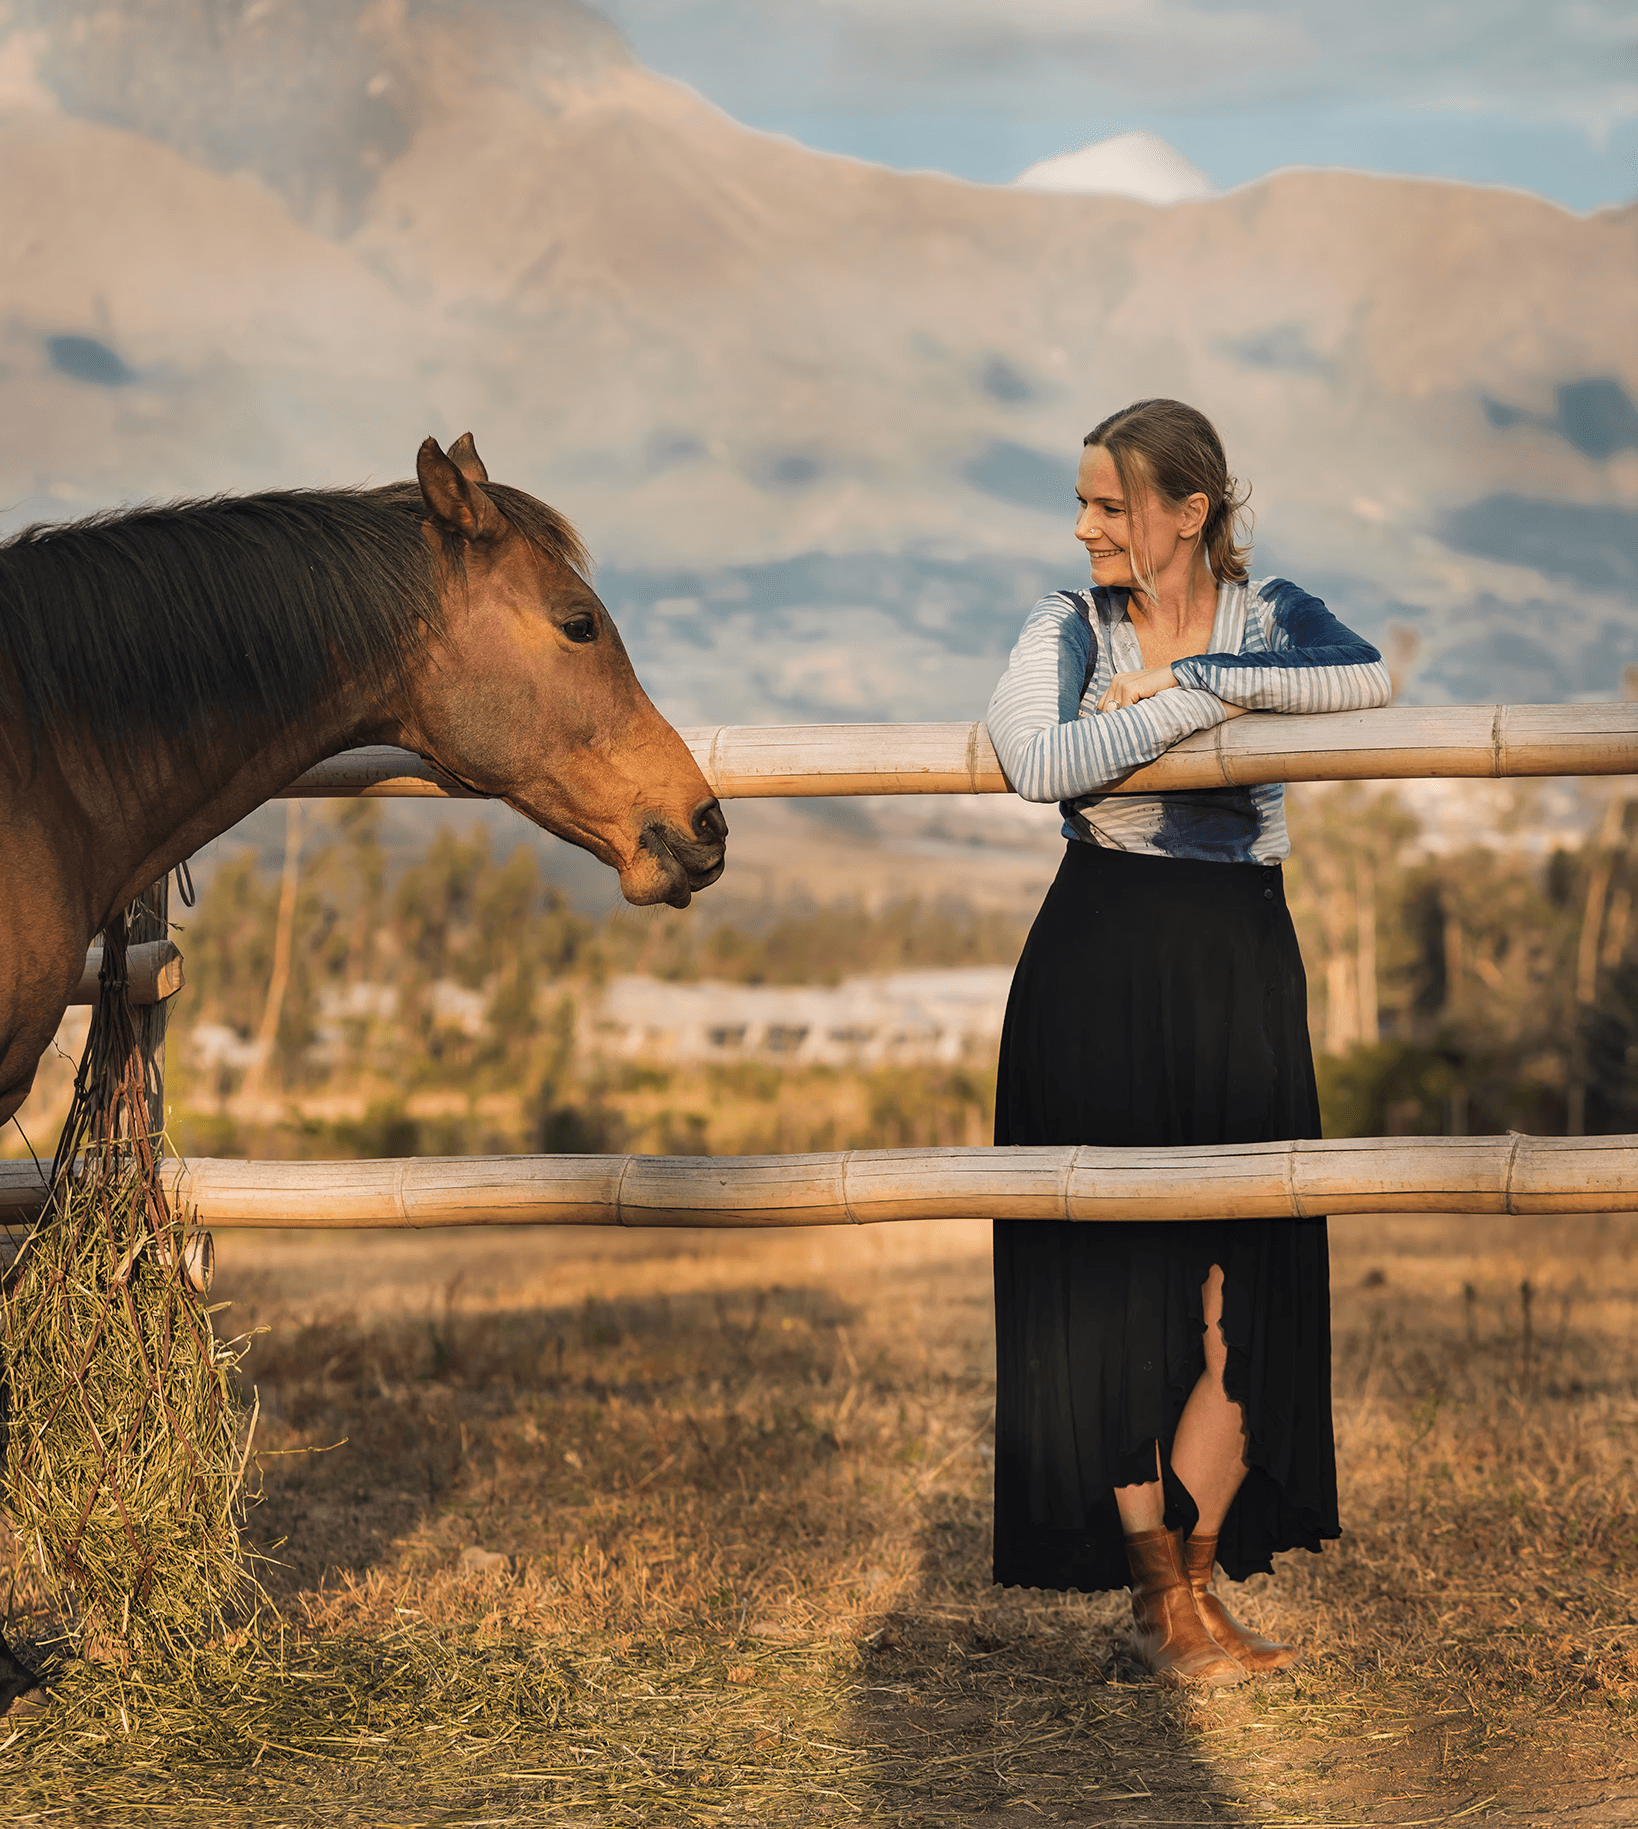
(164,670)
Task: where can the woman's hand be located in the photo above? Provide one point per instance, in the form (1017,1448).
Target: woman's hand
(1128,688)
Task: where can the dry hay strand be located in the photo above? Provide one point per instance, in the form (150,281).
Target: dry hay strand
(405,1726)
(126,1442)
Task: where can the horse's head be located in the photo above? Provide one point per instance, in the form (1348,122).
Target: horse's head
(528,693)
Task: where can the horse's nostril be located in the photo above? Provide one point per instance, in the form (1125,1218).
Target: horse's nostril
(708,822)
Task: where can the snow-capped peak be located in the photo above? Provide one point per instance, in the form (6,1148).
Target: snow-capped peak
(1140,165)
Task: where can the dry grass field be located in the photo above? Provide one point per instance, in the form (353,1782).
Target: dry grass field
(688,1528)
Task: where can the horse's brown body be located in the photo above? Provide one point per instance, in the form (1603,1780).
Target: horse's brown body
(526,693)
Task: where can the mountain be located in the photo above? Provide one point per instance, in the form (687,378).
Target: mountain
(819,419)
(1140,165)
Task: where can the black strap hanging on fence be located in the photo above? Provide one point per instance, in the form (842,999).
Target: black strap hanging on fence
(184,883)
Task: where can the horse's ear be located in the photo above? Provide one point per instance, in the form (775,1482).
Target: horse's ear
(463,454)
(454,499)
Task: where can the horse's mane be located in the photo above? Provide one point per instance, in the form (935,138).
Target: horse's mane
(226,616)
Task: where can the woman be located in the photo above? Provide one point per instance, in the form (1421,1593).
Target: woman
(1163,1389)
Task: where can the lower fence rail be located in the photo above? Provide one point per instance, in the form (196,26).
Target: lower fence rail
(1480,1175)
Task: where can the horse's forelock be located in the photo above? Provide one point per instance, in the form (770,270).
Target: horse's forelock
(542,526)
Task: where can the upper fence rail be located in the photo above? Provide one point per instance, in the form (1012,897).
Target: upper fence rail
(1395,743)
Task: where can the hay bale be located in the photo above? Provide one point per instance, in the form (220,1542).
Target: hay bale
(127,1441)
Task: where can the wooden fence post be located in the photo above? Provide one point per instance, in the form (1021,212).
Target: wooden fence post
(148,918)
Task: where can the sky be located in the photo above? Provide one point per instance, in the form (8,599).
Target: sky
(1537,94)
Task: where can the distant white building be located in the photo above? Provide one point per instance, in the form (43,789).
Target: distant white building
(862,1022)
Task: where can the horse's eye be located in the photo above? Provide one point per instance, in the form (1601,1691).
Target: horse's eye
(580,628)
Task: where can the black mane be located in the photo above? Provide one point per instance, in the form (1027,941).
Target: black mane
(229,615)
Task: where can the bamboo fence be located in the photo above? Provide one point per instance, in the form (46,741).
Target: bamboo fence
(1394,743)
(1481,1175)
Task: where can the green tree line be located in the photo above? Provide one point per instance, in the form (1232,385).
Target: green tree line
(1488,989)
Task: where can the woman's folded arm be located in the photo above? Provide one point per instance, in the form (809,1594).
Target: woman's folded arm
(1048,748)
(1311,662)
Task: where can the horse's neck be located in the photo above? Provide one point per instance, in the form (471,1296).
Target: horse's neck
(79,840)
(133,821)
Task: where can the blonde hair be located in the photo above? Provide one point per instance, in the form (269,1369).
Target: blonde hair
(1181,455)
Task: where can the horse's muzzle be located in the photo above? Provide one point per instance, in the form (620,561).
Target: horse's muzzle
(688,860)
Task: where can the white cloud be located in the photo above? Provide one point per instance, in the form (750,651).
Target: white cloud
(1154,33)
(1576,63)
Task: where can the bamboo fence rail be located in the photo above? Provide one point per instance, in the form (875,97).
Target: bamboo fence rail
(1396,742)
(1481,1175)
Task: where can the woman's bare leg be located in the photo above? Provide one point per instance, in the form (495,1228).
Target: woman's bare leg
(1209,1451)
(1142,1508)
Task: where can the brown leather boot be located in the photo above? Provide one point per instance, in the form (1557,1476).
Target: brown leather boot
(1167,1633)
(1258,1655)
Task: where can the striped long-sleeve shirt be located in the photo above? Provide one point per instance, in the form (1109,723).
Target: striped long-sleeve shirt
(1273,648)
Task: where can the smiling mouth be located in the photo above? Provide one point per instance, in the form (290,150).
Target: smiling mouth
(1103,552)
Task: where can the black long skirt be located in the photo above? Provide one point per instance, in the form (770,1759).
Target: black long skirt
(1158,1001)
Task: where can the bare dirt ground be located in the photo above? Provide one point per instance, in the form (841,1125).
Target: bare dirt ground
(685,1528)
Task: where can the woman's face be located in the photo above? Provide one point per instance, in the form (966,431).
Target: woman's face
(1131,542)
